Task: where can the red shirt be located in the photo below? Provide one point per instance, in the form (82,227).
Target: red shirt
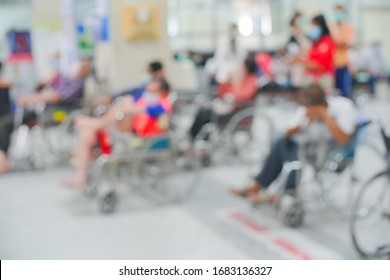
(322,53)
(244,91)
(149,124)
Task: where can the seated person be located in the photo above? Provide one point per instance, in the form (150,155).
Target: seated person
(235,94)
(331,118)
(145,113)
(56,78)
(154,71)
(66,91)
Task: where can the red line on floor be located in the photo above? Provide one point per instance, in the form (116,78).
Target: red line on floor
(281,243)
(250,224)
(287,246)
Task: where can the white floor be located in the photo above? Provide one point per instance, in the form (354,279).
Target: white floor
(41,220)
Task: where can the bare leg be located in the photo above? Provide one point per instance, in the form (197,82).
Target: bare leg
(108,119)
(4,163)
(87,141)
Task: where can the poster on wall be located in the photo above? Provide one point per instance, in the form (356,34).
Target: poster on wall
(141,22)
(19,45)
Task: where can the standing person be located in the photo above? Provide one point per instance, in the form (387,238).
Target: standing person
(228,57)
(298,44)
(342,34)
(318,63)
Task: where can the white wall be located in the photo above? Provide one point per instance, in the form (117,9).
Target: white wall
(12,16)
(125,61)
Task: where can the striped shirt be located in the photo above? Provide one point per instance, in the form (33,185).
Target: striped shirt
(71,89)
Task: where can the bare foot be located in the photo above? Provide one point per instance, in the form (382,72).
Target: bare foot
(246,192)
(74,183)
(241,192)
(256,198)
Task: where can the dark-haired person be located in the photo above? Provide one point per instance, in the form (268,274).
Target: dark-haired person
(155,70)
(320,118)
(297,45)
(342,34)
(240,91)
(145,118)
(228,56)
(318,63)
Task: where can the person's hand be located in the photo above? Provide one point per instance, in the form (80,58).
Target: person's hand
(317,112)
(296,60)
(24,101)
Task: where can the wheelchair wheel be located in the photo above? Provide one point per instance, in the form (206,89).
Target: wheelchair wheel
(291,211)
(370,218)
(27,150)
(340,181)
(168,175)
(249,135)
(108,203)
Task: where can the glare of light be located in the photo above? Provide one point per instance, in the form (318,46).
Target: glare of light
(266,21)
(245,26)
(173,27)
(266,27)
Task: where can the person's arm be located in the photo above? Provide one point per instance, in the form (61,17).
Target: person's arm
(338,134)
(313,66)
(292,131)
(343,36)
(4,84)
(39,98)
(298,122)
(69,92)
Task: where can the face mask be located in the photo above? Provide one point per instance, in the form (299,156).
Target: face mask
(146,78)
(339,16)
(315,33)
(150,98)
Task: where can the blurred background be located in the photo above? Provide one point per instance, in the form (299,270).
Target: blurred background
(209,88)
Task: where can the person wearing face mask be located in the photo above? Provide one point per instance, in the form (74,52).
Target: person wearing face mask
(228,57)
(66,91)
(155,70)
(145,117)
(342,34)
(318,63)
(298,44)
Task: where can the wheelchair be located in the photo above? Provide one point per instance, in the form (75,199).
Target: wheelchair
(51,138)
(332,180)
(244,133)
(165,168)
(369,222)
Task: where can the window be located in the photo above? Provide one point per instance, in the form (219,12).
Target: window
(197,24)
